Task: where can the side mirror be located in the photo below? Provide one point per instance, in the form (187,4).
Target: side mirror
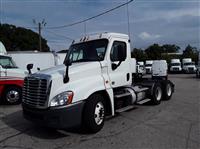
(1,67)
(114,66)
(67,62)
(29,67)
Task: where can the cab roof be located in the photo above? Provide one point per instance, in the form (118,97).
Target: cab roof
(105,35)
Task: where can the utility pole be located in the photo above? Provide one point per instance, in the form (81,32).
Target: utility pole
(40,26)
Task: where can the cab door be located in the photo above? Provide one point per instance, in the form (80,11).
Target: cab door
(118,68)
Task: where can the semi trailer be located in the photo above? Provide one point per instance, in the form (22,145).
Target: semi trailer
(95,81)
(11,79)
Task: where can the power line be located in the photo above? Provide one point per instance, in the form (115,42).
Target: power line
(63,36)
(90,18)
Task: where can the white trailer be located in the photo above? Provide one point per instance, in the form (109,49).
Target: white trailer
(94,82)
(175,66)
(40,60)
(188,65)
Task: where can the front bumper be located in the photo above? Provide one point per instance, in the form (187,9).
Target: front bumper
(57,117)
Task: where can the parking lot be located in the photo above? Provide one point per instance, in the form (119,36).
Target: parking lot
(172,124)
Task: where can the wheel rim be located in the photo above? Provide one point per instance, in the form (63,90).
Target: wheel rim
(169,90)
(158,94)
(99,113)
(12,96)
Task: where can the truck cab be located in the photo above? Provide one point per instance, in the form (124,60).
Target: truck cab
(148,66)
(175,66)
(11,79)
(188,65)
(95,81)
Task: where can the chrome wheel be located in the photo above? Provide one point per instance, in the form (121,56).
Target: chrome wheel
(99,113)
(169,90)
(12,96)
(158,94)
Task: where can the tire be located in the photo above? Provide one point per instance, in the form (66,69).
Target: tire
(94,114)
(157,94)
(12,95)
(167,91)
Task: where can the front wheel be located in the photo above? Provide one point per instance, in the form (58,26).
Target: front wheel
(94,113)
(12,95)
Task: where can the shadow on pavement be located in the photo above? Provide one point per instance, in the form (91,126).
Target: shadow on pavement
(17,122)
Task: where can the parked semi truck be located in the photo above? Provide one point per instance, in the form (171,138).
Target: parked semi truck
(95,81)
(175,66)
(188,65)
(148,66)
(140,69)
(198,68)
(11,79)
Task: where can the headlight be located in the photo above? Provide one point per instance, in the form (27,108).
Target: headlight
(61,99)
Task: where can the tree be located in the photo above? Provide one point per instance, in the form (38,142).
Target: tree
(154,52)
(170,48)
(139,54)
(191,52)
(20,39)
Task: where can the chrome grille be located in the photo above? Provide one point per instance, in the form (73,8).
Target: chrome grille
(35,91)
(190,69)
(176,69)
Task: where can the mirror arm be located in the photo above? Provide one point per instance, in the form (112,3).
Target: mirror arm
(66,77)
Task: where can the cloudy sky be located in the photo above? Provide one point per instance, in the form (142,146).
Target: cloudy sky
(151,21)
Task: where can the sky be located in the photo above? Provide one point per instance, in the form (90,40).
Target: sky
(151,21)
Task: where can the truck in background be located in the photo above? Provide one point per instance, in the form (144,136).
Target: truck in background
(198,68)
(175,66)
(11,79)
(148,66)
(140,69)
(188,66)
(95,81)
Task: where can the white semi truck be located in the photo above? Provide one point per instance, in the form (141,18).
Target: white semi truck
(175,66)
(188,65)
(95,81)
(198,68)
(140,69)
(11,79)
(148,66)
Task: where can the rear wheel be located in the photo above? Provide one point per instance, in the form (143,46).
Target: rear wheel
(168,91)
(12,95)
(157,94)
(94,113)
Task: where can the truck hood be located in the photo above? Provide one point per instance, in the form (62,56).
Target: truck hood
(75,70)
(16,72)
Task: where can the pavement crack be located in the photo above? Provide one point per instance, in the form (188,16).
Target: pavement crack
(188,136)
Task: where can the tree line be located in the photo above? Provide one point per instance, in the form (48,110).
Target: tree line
(21,39)
(166,52)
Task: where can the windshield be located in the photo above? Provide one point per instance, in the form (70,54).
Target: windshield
(148,65)
(175,64)
(7,62)
(191,63)
(88,51)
